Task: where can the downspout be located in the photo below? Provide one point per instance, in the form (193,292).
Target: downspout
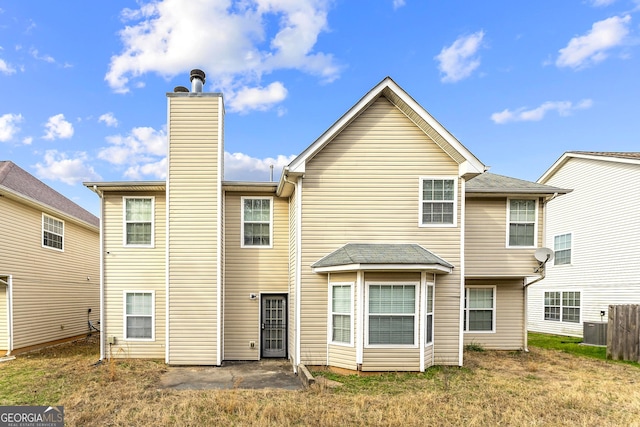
(298,267)
(298,263)
(463,203)
(102,323)
(542,270)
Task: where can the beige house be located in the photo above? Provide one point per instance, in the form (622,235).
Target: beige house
(384,246)
(49,264)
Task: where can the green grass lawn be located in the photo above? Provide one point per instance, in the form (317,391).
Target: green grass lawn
(571,345)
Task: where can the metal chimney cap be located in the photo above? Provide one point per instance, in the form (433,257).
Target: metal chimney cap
(180,89)
(197,74)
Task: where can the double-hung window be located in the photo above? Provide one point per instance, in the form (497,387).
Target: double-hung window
(521,218)
(52,233)
(138,313)
(138,221)
(341,307)
(392,314)
(438,201)
(479,309)
(257,219)
(562,306)
(562,249)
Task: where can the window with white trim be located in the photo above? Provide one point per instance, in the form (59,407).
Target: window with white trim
(52,233)
(562,306)
(341,307)
(522,227)
(429,315)
(257,217)
(479,309)
(138,221)
(562,249)
(138,315)
(438,201)
(391,314)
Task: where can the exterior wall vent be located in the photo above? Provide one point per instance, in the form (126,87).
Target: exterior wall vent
(594,333)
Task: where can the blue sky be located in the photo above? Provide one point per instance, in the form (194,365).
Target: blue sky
(83,83)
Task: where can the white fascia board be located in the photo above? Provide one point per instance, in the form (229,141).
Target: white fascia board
(435,268)
(568,155)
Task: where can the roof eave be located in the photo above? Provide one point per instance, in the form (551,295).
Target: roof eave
(433,268)
(47,208)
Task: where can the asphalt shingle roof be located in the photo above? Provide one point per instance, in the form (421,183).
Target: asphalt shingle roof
(380,253)
(22,182)
(493,183)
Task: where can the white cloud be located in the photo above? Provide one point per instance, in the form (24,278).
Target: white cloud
(157,169)
(45,58)
(458,61)
(27,140)
(236,43)
(591,48)
(9,126)
(58,127)
(58,166)
(242,167)
(6,68)
(108,119)
(142,151)
(601,3)
(563,108)
(397,4)
(256,98)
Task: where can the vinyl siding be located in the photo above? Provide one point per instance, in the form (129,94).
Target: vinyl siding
(486,253)
(193,185)
(364,187)
(133,269)
(602,214)
(251,270)
(394,359)
(509,325)
(52,290)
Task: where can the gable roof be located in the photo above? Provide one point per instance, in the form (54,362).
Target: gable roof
(491,183)
(629,157)
(381,256)
(468,163)
(22,185)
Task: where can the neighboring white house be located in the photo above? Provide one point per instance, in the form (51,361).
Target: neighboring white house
(595,233)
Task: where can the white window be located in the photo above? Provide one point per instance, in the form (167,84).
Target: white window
(52,233)
(138,315)
(438,201)
(341,307)
(429,315)
(257,217)
(562,306)
(562,249)
(391,314)
(479,309)
(521,223)
(138,221)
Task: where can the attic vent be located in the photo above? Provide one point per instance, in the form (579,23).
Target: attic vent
(180,89)
(594,333)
